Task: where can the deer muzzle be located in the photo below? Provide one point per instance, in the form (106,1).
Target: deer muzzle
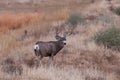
(64,42)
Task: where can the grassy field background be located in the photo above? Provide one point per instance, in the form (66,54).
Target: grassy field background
(24,22)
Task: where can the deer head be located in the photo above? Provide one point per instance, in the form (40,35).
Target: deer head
(61,39)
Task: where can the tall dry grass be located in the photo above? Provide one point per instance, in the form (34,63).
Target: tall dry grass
(87,62)
(81,58)
(54,73)
(14,21)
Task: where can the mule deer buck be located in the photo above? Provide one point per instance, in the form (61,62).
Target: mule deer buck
(50,48)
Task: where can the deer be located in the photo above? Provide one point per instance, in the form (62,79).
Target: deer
(49,48)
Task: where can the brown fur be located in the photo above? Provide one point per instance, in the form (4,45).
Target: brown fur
(51,48)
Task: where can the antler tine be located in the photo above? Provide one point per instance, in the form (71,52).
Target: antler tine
(66,34)
(56,31)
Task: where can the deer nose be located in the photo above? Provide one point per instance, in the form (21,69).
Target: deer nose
(64,42)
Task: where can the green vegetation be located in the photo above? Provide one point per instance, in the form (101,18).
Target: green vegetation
(117,10)
(74,19)
(109,38)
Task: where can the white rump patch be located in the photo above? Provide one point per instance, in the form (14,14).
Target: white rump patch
(36,47)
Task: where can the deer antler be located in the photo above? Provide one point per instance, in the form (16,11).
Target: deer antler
(56,31)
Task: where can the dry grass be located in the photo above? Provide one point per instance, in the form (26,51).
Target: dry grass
(54,73)
(97,59)
(13,21)
(81,59)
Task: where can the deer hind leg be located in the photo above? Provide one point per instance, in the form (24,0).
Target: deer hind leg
(38,61)
(40,58)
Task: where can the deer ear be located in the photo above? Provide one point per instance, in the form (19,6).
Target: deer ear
(57,37)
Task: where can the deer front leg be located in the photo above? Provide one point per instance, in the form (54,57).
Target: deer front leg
(51,59)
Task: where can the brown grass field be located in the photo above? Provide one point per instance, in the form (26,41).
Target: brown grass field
(80,59)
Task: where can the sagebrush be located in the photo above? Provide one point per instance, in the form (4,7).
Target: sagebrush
(117,10)
(109,38)
(74,19)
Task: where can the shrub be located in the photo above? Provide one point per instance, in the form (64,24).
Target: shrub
(13,69)
(109,38)
(74,19)
(9,66)
(105,19)
(117,10)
